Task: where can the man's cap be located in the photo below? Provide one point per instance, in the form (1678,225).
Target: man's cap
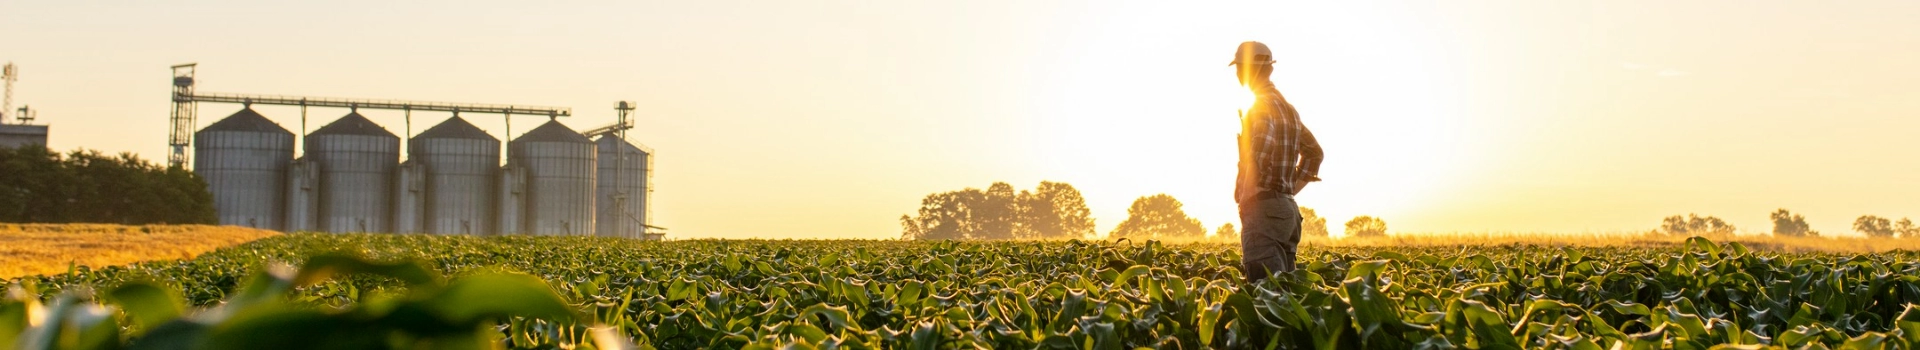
(1252,52)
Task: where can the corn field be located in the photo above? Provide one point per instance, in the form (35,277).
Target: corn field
(417,291)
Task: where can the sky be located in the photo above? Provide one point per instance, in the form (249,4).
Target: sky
(830,119)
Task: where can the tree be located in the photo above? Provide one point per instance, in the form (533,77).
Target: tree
(946,215)
(35,187)
(1226,232)
(1787,224)
(1053,210)
(1695,225)
(42,186)
(1312,224)
(1366,226)
(997,212)
(1158,216)
(1873,226)
(1905,228)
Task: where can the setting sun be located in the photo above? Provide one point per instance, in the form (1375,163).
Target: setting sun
(1358,78)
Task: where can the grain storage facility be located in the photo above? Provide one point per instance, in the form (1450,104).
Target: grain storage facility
(303,196)
(356,159)
(460,161)
(349,177)
(560,167)
(244,159)
(409,198)
(511,215)
(621,195)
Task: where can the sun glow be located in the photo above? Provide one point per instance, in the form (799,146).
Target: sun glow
(1164,118)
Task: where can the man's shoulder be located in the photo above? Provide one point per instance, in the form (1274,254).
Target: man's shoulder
(1269,95)
(1270,103)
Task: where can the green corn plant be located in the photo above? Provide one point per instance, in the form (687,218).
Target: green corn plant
(460,314)
(586,292)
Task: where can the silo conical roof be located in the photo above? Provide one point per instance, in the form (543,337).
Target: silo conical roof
(455,128)
(553,131)
(611,141)
(353,124)
(247,120)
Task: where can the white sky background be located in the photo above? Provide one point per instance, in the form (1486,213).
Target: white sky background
(831,119)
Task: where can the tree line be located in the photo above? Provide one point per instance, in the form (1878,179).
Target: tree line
(1055,210)
(1788,224)
(38,185)
(1050,210)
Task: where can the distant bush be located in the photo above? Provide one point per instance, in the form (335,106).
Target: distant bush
(1226,232)
(1366,226)
(1873,226)
(1158,216)
(1788,224)
(1695,225)
(85,186)
(1311,224)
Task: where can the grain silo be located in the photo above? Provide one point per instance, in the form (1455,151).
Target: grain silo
(559,165)
(409,198)
(461,162)
(303,196)
(356,159)
(243,158)
(621,192)
(512,199)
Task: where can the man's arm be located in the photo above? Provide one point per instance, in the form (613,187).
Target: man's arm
(1309,162)
(1310,154)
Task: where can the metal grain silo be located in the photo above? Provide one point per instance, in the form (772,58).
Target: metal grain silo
(622,191)
(303,196)
(461,162)
(243,159)
(356,159)
(409,197)
(560,165)
(512,198)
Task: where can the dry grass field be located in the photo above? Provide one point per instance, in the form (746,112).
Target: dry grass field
(35,249)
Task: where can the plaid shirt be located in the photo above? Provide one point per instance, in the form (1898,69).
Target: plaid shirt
(1275,148)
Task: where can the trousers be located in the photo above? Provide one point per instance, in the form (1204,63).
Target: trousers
(1270,235)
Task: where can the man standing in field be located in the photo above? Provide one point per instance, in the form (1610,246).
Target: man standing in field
(1278,157)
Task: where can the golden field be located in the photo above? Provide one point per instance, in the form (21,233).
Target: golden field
(36,249)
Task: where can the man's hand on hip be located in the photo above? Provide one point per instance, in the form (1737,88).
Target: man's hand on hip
(1301,184)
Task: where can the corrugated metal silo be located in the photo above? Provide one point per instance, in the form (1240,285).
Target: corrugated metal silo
(243,159)
(621,195)
(513,201)
(356,159)
(303,194)
(560,165)
(409,197)
(461,162)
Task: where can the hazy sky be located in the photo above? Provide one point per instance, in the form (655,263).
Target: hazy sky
(817,119)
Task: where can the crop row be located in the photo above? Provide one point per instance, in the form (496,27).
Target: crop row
(1121,294)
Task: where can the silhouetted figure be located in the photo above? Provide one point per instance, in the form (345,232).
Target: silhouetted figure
(1278,157)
